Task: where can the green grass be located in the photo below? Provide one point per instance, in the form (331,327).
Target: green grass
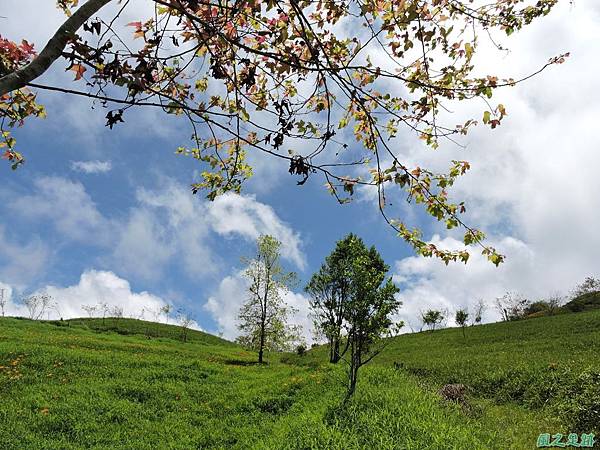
(85,385)
(549,364)
(128,327)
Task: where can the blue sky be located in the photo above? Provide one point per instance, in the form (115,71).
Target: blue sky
(130,232)
(77,197)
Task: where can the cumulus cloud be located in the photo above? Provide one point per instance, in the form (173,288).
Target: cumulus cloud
(225,303)
(233,214)
(94,287)
(430,284)
(66,205)
(176,221)
(21,262)
(166,223)
(102,287)
(91,167)
(170,221)
(143,247)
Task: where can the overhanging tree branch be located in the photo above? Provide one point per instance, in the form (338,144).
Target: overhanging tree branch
(53,49)
(263,78)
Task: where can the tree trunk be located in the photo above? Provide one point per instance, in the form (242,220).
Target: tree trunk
(260,352)
(53,49)
(353,374)
(335,356)
(262,342)
(331,343)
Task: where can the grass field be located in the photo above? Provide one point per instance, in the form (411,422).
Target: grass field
(110,386)
(549,363)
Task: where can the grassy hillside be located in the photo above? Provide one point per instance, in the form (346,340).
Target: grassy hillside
(549,362)
(83,386)
(549,365)
(584,302)
(128,327)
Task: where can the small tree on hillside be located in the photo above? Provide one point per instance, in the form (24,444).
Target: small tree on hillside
(90,310)
(479,310)
(263,318)
(589,285)
(105,308)
(370,305)
(554,302)
(166,310)
(329,290)
(185,320)
(461,318)
(511,306)
(432,318)
(326,310)
(547,307)
(37,304)
(3,300)
(117,312)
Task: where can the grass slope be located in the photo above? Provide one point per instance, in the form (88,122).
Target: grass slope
(584,302)
(83,386)
(128,327)
(528,377)
(548,363)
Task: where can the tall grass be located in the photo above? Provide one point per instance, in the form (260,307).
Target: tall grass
(72,387)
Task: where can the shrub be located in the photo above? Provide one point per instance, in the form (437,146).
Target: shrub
(580,403)
(301,350)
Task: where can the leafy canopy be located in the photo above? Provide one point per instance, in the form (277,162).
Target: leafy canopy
(263,318)
(330,291)
(371,303)
(325,85)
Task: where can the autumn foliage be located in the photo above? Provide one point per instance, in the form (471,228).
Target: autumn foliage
(325,85)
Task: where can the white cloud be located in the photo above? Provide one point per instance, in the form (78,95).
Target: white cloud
(66,205)
(230,295)
(94,287)
(91,166)
(243,215)
(20,263)
(180,217)
(171,218)
(167,223)
(429,284)
(143,247)
(102,287)
(301,317)
(225,304)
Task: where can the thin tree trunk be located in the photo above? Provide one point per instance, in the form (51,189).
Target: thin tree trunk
(262,343)
(53,49)
(331,344)
(353,374)
(336,351)
(263,318)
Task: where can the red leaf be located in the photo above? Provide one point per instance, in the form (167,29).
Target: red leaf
(79,71)
(27,48)
(135,24)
